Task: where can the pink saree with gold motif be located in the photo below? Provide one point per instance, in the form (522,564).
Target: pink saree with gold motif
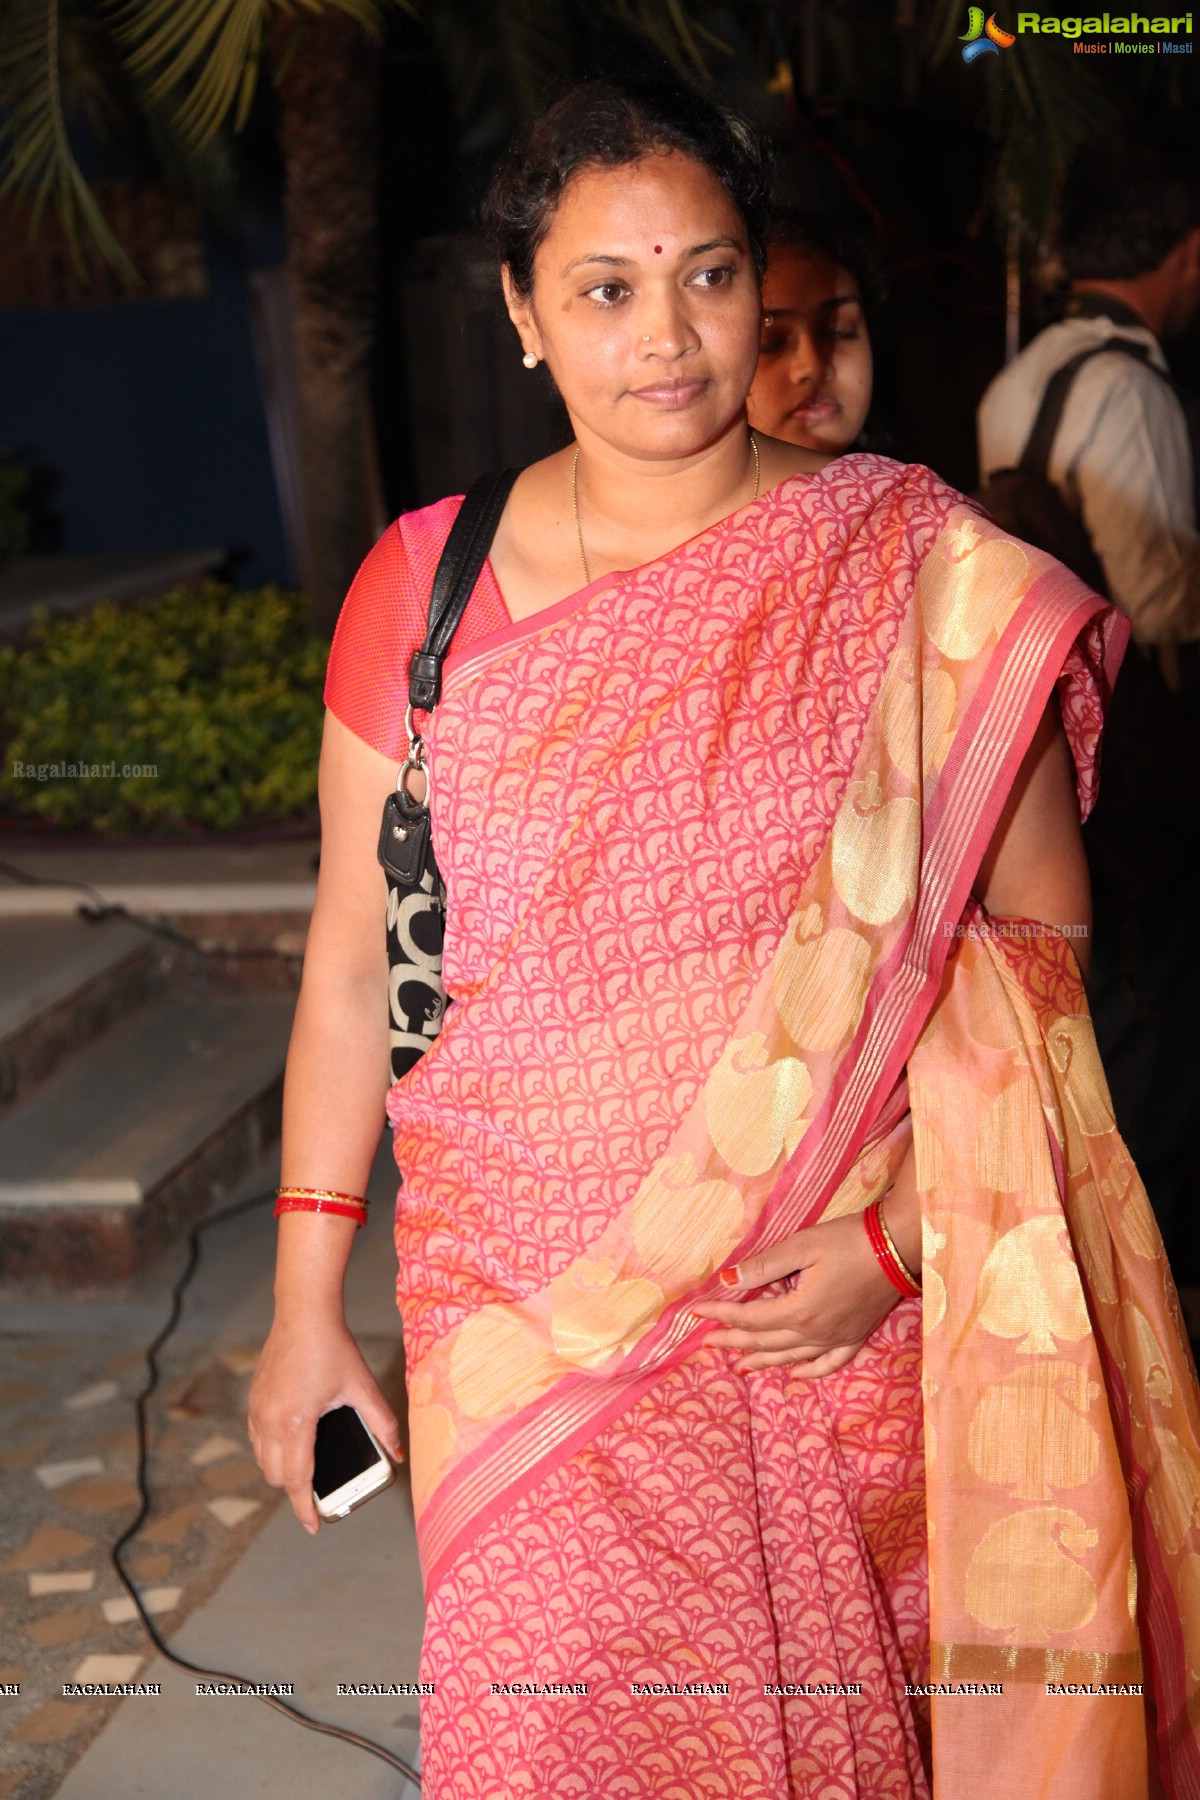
(710,830)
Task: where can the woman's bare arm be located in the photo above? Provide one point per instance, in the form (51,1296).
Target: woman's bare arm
(1035,867)
(333,1111)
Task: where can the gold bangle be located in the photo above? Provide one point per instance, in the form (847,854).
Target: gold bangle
(306,1193)
(890,1241)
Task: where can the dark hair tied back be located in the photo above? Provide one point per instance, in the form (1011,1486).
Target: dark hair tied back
(607,124)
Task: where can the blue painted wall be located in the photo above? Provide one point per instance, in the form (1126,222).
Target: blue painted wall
(151,413)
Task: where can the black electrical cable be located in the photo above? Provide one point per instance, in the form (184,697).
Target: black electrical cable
(144,1510)
(98,910)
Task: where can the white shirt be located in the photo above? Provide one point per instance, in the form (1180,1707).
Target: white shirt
(1122,461)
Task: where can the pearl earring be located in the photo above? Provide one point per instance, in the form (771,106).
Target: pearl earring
(530,360)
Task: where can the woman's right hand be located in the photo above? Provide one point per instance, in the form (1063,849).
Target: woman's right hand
(307,1367)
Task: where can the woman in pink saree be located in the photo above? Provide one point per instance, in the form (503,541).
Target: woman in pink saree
(765,888)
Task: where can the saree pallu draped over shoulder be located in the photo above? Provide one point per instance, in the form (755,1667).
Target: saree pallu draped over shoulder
(709,831)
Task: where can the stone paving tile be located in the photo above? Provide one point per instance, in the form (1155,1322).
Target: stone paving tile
(95,1394)
(24,1454)
(19,1393)
(46,1544)
(149,1568)
(60,1581)
(102,1496)
(61,1474)
(62,1533)
(121,1610)
(231,1511)
(232,1477)
(60,1628)
(171,1527)
(107,1668)
(119,1443)
(212,1450)
(53,1721)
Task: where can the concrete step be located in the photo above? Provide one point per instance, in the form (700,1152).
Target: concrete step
(63,982)
(137,1135)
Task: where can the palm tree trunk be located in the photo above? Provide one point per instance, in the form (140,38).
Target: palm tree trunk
(327,91)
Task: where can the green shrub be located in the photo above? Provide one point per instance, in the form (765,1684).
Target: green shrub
(217,690)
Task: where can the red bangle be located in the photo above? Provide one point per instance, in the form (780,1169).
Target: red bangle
(320,1200)
(886,1254)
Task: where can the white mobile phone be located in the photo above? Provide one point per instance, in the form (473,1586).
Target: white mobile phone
(348,1464)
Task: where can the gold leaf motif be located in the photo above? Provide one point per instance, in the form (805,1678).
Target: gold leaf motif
(991,1019)
(968,597)
(753,1105)
(1029,1430)
(939,698)
(945,1154)
(498,1364)
(821,987)
(1022,1577)
(876,850)
(589,1325)
(1011,1153)
(1072,1044)
(933,1307)
(1029,1288)
(1148,1372)
(898,704)
(1137,1224)
(810,923)
(682,1228)
(1089,1231)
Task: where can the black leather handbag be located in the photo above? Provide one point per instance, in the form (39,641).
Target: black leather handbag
(416,903)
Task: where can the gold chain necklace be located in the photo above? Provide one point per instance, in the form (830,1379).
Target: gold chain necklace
(587,576)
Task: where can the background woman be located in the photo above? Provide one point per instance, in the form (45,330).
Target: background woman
(732,749)
(813,383)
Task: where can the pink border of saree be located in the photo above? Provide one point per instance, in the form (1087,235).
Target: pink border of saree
(957,636)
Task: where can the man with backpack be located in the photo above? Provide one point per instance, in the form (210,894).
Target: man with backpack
(1088,449)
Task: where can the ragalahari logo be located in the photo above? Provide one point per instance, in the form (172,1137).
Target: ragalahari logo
(980,39)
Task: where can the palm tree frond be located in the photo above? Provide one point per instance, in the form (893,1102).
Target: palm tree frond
(211,51)
(671,31)
(37,162)
(201,46)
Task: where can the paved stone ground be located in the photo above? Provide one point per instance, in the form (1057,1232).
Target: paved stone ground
(68,1373)
(68,1458)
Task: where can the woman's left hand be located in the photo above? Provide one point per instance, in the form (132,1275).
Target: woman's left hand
(839,1295)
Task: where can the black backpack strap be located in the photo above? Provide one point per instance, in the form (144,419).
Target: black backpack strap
(1035,458)
(458,569)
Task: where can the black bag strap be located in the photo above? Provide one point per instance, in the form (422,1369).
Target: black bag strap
(1035,458)
(457,572)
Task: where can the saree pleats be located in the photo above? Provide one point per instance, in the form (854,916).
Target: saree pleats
(758,1541)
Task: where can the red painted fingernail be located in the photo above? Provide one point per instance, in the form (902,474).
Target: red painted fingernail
(729,1278)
